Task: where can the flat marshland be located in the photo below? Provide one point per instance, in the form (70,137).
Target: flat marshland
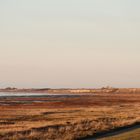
(66,118)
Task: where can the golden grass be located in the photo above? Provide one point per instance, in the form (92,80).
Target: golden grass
(132,135)
(64,123)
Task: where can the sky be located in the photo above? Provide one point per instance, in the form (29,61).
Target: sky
(69,44)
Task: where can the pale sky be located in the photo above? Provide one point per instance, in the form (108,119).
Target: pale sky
(69,43)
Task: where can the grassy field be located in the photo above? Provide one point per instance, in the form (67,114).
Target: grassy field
(66,118)
(132,135)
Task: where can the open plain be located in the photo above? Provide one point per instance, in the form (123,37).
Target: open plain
(66,117)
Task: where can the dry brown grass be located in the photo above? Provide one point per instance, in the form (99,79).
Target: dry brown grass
(68,119)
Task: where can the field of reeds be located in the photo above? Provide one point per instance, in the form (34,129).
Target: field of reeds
(66,118)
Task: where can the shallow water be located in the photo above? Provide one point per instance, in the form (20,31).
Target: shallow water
(12,94)
(9,94)
(27,98)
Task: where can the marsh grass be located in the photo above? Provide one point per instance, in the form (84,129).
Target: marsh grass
(132,135)
(67,122)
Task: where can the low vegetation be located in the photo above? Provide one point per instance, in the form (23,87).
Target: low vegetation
(66,118)
(133,135)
